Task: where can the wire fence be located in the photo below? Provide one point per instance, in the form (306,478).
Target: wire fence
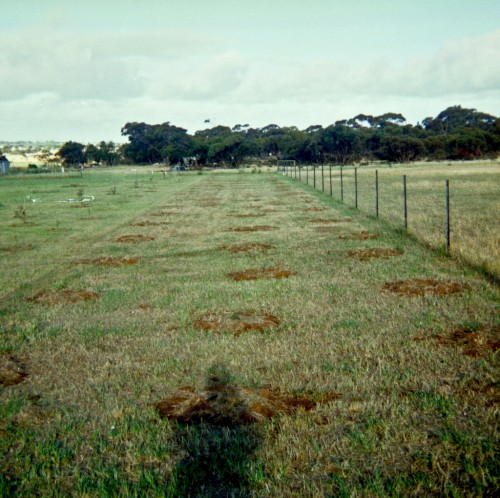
(451,207)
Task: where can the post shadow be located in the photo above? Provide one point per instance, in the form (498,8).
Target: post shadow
(217,449)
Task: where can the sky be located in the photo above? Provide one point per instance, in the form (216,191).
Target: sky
(80,70)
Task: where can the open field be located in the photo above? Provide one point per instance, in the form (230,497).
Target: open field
(235,335)
(474,203)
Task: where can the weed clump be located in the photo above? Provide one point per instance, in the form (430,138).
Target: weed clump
(259,273)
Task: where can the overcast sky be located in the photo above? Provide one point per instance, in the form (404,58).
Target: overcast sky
(79,70)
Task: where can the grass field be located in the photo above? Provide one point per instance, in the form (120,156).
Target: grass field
(235,335)
(474,203)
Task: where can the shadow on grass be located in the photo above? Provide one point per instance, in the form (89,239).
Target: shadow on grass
(216,455)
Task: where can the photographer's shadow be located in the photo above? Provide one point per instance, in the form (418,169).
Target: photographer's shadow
(215,441)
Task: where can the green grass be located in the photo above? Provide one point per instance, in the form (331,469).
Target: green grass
(415,417)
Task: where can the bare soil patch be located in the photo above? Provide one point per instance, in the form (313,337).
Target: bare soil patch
(376,252)
(420,287)
(163,213)
(17,248)
(108,261)
(12,370)
(63,296)
(227,404)
(133,239)
(248,215)
(260,273)
(150,223)
(250,247)
(363,235)
(475,341)
(315,208)
(236,323)
(331,220)
(256,228)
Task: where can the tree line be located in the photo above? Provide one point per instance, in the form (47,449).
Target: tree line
(455,133)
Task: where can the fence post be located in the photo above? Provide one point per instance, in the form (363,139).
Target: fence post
(300,179)
(341,185)
(356,187)
(448,228)
(405,209)
(322,178)
(314,176)
(331,191)
(376,192)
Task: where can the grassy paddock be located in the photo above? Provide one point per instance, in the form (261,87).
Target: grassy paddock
(101,311)
(474,203)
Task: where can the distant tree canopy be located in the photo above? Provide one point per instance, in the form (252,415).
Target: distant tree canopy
(455,133)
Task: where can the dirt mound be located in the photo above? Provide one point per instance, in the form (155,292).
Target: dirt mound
(420,287)
(331,220)
(63,296)
(315,209)
(363,235)
(227,404)
(475,341)
(236,323)
(248,215)
(256,228)
(12,370)
(163,213)
(108,261)
(250,247)
(259,273)
(150,223)
(376,252)
(133,239)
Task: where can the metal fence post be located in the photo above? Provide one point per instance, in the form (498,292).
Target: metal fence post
(314,176)
(322,178)
(341,185)
(405,209)
(376,192)
(356,187)
(331,191)
(448,228)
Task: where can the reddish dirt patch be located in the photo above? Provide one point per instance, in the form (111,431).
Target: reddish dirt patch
(163,213)
(108,261)
(260,273)
(63,296)
(226,404)
(475,341)
(420,287)
(144,307)
(376,252)
(12,370)
(133,239)
(236,323)
(315,209)
(331,220)
(17,248)
(250,247)
(249,215)
(364,235)
(150,223)
(256,228)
